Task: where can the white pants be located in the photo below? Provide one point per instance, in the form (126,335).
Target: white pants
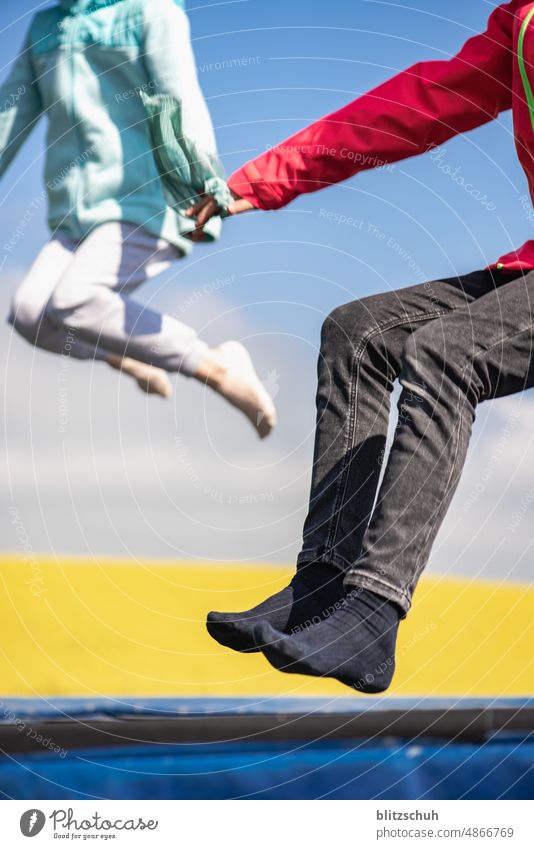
(82,291)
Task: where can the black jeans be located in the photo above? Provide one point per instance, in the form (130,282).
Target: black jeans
(452,344)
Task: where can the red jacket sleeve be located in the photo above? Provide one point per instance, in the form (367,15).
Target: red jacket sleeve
(417,109)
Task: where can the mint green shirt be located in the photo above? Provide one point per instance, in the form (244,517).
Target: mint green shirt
(83,65)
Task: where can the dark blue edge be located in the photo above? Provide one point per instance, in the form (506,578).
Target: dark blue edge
(124,706)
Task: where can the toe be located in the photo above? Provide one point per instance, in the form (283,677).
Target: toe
(216,616)
(266,424)
(223,629)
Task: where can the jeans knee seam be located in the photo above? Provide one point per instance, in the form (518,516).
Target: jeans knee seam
(350,436)
(477,357)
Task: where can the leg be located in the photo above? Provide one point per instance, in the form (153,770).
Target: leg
(477,353)
(28,309)
(360,358)
(481,351)
(93,298)
(30,319)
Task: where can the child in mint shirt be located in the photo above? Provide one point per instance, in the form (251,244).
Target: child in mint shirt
(85,65)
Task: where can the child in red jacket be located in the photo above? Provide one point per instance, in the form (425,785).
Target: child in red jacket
(451,343)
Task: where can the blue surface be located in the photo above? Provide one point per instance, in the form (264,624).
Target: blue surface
(503,767)
(277,771)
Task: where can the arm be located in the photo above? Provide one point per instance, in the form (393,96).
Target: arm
(171,69)
(418,109)
(20,106)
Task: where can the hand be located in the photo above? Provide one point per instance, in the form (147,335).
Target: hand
(207,208)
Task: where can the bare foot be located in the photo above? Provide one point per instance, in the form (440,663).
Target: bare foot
(229,370)
(152,380)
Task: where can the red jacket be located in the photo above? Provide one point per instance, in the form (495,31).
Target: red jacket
(409,114)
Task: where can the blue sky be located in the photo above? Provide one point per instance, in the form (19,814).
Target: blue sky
(116,483)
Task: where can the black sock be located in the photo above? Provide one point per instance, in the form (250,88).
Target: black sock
(312,594)
(356,644)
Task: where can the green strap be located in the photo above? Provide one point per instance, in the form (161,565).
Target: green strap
(522,67)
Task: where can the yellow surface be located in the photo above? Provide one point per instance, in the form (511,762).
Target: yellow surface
(100,627)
